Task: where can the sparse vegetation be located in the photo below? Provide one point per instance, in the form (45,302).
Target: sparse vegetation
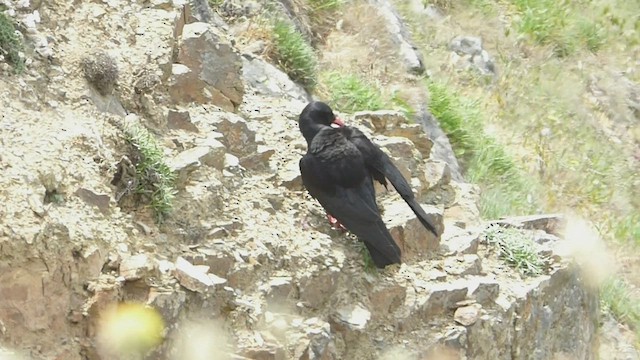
(155,180)
(559,24)
(505,188)
(101,70)
(10,43)
(294,54)
(616,299)
(516,248)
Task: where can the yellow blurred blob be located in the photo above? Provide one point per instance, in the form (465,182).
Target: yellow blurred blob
(130,328)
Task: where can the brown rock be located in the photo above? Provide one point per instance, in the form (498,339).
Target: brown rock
(414,239)
(316,289)
(550,223)
(238,138)
(443,297)
(259,160)
(101,201)
(180,120)
(214,68)
(484,290)
(386,297)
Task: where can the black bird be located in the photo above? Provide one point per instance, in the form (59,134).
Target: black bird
(338,170)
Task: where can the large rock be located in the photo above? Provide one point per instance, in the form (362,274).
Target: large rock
(415,241)
(266,79)
(208,68)
(467,51)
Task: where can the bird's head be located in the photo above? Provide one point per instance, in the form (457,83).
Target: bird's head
(315,116)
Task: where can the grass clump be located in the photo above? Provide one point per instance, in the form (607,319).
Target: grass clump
(616,299)
(505,188)
(516,249)
(154,180)
(556,23)
(10,43)
(294,54)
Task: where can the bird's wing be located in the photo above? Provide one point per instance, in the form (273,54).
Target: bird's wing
(379,163)
(355,208)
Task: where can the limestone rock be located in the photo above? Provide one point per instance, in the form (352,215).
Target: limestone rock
(239,139)
(136,267)
(355,317)
(414,239)
(208,69)
(267,79)
(467,315)
(468,264)
(195,279)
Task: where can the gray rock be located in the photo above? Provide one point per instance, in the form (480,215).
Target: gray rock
(468,264)
(468,52)
(484,290)
(400,36)
(467,315)
(180,120)
(266,79)
(355,317)
(137,267)
(239,139)
(101,201)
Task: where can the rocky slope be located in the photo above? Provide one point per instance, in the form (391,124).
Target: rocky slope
(245,266)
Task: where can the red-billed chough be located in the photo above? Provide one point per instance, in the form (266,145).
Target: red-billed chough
(338,170)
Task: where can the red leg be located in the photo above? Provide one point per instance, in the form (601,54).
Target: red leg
(335,224)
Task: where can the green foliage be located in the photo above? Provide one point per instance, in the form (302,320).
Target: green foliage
(516,249)
(350,93)
(294,54)
(155,180)
(505,188)
(627,229)
(556,23)
(10,43)
(616,299)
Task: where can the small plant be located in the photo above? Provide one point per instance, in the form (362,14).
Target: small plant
(294,54)
(349,93)
(101,70)
(155,180)
(10,43)
(516,248)
(617,300)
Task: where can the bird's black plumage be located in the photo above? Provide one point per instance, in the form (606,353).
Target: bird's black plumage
(338,170)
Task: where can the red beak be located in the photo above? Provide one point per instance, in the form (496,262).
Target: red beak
(338,122)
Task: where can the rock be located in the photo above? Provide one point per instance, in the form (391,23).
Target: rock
(382,120)
(219,262)
(550,223)
(469,264)
(239,139)
(355,317)
(169,303)
(279,289)
(443,297)
(189,160)
(415,241)
(180,120)
(470,49)
(290,176)
(259,160)
(266,79)
(315,289)
(36,205)
(467,315)
(194,279)
(268,351)
(459,242)
(484,290)
(386,297)
(136,267)
(400,36)
(437,173)
(101,201)
(211,68)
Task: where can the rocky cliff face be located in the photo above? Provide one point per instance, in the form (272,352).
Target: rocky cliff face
(245,265)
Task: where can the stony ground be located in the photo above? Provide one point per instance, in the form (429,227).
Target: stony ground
(246,258)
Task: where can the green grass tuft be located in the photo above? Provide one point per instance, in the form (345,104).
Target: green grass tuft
(516,249)
(616,299)
(294,54)
(10,43)
(350,93)
(556,23)
(505,188)
(155,180)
